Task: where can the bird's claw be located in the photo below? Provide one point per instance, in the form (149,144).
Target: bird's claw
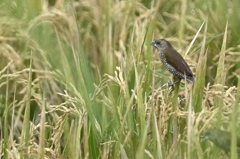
(170,84)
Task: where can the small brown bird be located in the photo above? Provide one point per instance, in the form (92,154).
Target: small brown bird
(222,139)
(173,61)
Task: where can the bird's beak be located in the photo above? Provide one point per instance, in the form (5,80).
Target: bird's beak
(154,44)
(204,137)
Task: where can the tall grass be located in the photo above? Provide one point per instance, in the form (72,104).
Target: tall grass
(79,79)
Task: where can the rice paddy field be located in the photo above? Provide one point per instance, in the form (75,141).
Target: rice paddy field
(79,79)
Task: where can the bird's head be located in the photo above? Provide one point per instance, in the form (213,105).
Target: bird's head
(161,44)
(211,134)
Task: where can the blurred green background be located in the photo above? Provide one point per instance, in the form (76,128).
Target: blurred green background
(79,79)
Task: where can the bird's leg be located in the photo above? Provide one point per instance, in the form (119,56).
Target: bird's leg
(171,84)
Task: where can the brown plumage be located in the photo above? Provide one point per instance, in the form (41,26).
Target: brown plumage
(173,61)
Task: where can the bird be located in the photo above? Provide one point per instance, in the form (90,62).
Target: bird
(221,139)
(173,61)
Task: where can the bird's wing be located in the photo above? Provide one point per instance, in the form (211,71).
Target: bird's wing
(177,61)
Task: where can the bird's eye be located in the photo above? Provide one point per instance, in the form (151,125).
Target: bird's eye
(157,42)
